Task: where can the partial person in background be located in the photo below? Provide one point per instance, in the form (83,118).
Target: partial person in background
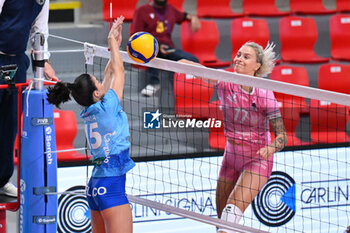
(158,18)
(19,21)
(247,114)
(107,131)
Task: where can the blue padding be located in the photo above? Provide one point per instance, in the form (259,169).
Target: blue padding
(37,169)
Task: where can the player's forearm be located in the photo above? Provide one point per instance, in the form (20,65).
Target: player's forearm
(107,76)
(116,61)
(117,68)
(279,130)
(279,143)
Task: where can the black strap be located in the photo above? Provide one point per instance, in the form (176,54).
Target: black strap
(38,63)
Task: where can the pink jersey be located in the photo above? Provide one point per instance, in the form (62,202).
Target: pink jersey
(246,115)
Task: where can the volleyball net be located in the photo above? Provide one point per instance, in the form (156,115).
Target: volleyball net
(177,139)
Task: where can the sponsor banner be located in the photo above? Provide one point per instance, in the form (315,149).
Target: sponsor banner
(308,191)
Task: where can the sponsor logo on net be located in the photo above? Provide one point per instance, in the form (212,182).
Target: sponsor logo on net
(157,120)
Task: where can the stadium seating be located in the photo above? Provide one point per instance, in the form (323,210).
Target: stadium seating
(291,106)
(66,130)
(119,7)
(202,43)
(334,77)
(215,9)
(343,5)
(192,96)
(309,7)
(291,116)
(262,8)
(248,29)
(328,122)
(294,75)
(298,36)
(339,30)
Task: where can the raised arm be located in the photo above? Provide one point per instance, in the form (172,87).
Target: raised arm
(210,81)
(114,71)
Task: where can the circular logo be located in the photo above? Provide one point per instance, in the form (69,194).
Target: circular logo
(73,212)
(275,204)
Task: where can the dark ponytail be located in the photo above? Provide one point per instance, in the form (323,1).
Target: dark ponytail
(58,94)
(82,91)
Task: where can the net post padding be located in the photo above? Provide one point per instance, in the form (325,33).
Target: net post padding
(192,215)
(222,75)
(38,171)
(2,221)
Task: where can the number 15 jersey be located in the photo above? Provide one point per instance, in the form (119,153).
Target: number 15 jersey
(107,131)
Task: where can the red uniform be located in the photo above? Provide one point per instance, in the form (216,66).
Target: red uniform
(157,21)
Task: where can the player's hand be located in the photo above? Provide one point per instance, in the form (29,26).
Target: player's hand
(115,32)
(49,72)
(163,49)
(266,152)
(195,24)
(118,35)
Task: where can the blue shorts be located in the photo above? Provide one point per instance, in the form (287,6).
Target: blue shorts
(106,192)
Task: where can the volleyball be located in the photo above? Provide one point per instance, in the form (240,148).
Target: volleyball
(142,47)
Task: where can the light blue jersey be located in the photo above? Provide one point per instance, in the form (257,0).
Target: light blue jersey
(107,132)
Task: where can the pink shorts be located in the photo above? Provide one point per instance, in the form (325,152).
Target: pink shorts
(238,158)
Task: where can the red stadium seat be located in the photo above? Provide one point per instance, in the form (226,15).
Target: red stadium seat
(291,116)
(339,30)
(262,8)
(291,106)
(248,29)
(343,5)
(328,122)
(294,75)
(334,77)
(66,130)
(192,96)
(202,43)
(309,7)
(119,7)
(215,9)
(298,36)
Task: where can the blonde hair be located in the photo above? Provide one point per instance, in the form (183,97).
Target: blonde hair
(266,57)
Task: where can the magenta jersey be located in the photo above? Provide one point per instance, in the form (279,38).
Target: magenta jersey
(246,115)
